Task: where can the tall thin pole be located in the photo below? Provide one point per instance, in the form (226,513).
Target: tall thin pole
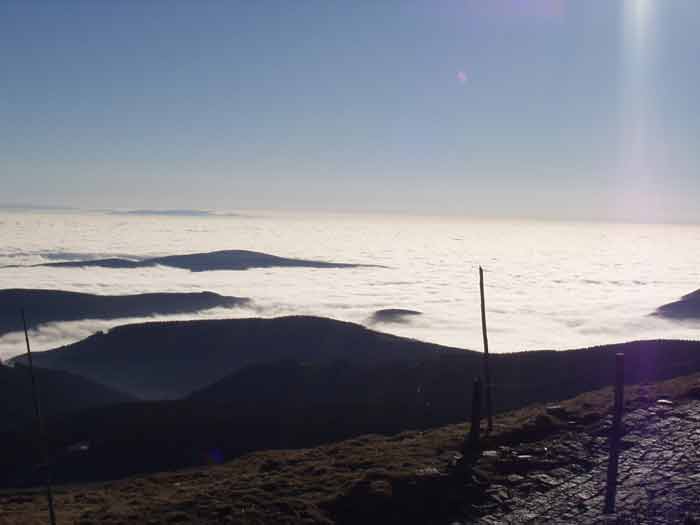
(615,433)
(42,431)
(487,368)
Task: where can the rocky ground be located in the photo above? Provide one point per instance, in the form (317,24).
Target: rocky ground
(540,465)
(562,480)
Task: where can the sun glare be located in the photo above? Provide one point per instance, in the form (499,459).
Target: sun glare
(639,16)
(640,147)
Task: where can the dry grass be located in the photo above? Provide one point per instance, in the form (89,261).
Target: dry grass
(301,486)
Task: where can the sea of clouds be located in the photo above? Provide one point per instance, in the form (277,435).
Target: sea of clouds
(550,285)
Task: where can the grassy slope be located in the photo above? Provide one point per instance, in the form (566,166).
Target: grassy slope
(327,484)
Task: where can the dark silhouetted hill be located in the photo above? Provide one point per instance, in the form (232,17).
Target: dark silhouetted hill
(306,400)
(441,382)
(60,393)
(687,307)
(46,306)
(165,213)
(202,262)
(168,360)
(393,315)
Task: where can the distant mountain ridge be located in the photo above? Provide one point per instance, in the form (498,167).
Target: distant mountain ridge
(443,379)
(175,360)
(166,213)
(393,315)
(207,261)
(302,401)
(60,393)
(687,307)
(46,306)
(169,360)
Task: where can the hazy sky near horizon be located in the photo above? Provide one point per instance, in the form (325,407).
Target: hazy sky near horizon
(545,108)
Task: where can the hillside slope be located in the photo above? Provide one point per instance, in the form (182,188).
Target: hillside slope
(686,308)
(299,404)
(409,478)
(60,393)
(170,360)
(46,306)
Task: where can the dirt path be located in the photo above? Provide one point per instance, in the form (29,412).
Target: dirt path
(563,481)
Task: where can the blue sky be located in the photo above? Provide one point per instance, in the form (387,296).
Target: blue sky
(544,108)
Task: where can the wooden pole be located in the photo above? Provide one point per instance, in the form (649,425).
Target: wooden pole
(615,434)
(487,368)
(40,422)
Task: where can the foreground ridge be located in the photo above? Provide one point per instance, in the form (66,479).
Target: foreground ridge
(541,465)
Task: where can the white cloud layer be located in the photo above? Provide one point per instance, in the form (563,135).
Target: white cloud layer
(549,285)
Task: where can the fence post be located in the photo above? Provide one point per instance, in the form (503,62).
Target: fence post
(472,446)
(40,422)
(615,434)
(487,367)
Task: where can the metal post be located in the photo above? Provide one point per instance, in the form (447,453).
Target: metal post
(615,434)
(487,368)
(40,422)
